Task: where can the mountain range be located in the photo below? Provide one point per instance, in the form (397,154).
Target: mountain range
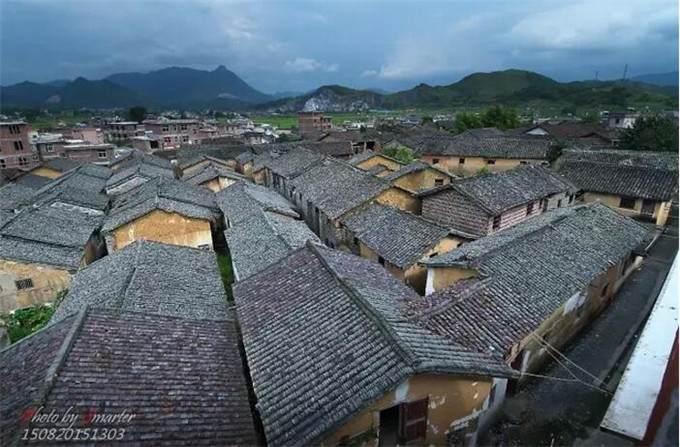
(221,89)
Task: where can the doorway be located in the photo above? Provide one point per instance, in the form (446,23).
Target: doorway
(389,426)
(647,209)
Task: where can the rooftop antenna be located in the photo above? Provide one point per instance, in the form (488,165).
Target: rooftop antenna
(625,70)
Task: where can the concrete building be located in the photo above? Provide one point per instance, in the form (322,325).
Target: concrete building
(16,148)
(313,122)
(174,133)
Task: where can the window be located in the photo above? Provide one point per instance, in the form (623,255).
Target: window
(23,161)
(14,129)
(185,139)
(496,222)
(433,255)
(523,162)
(24,283)
(491,162)
(3,163)
(101,154)
(165,129)
(435,161)
(530,208)
(461,161)
(438,182)
(559,203)
(381,261)
(627,203)
(356,241)
(414,420)
(184,127)
(18,145)
(48,148)
(571,198)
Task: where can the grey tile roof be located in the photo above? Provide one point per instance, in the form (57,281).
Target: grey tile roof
(525,274)
(32,181)
(153,278)
(245,157)
(141,170)
(264,238)
(415,166)
(398,236)
(74,188)
(210,172)
(182,379)
(325,335)
(136,158)
(336,187)
(640,159)
(164,194)
(628,181)
(61,164)
(377,169)
(240,201)
(366,155)
(504,190)
(14,196)
(191,154)
(329,148)
(47,235)
(292,163)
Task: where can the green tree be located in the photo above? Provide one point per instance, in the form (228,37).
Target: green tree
(483,171)
(426,120)
(654,133)
(500,117)
(401,153)
(465,121)
(136,113)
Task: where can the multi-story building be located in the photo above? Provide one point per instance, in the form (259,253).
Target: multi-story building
(89,153)
(174,132)
(123,130)
(16,150)
(313,122)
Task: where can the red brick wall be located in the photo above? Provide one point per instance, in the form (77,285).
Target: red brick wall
(16,150)
(452,209)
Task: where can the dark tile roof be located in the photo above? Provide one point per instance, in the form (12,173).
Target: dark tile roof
(14,196)
(525,274)
(182,379)
(415,166)
(574,129)
(61,164)
(164,194)
(642,159)
(377,169)
(75,188)
(32,181)
(150,277)
(336,187)
(398,236)
(47,235)
(191,154)
(139,170)
(367,155)
(427,142)
(245,157)
(240,201)
(628,181)
(325,336)
(138,158)
(210,172)
(466,145)
(501,191)
(293,163)
(329,148)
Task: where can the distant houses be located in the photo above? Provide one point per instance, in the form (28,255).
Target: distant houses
(479,206)
(635,183)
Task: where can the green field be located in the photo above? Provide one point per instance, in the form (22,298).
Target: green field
(46,122)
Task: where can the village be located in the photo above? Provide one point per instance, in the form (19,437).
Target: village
(232,283)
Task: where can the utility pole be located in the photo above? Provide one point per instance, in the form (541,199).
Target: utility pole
(625,70)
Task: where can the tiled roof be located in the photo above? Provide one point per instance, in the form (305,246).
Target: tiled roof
(292,163)
(398,236)
(141,170)
(377,169)
(329,148)
(47,235)
(238,202)
(14,196)
(150,277)
(182,379)
(465,145)
(504,190)
(628,181)
(525,274)
(32,181)
(136,158)
(191,154)
(336,187)
(61,164)
(210,172)
(164,194)
(325,336)
(415,166)
(641,159)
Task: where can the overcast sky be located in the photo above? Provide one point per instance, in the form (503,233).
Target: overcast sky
(280,45)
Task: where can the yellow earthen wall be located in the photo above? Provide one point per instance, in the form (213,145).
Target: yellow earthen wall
(47,282)
(169,228)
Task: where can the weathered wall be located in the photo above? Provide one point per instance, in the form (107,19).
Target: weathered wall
(423,179)
(454,403)
(259,177)
(441,277)
(454,210)
(473,164)
(566,322)
(47,282)
(661,209)
(218,184)
(160,226)
(398,198)
(379,160)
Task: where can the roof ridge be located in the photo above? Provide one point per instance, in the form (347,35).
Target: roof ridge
(367,308)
